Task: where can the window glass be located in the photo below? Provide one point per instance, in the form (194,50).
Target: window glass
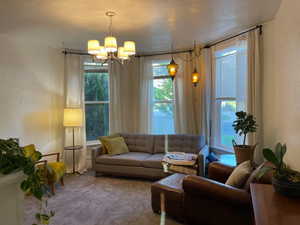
(163,89)
(227,116)
(97,118)
(226,76)
(163,118)
(96,86)
(159,68)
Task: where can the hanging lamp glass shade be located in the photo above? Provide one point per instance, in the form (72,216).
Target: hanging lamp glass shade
(122,54)
(129,47)
(110,44)
(93,47)
(172,68)
(102,53)
(195,78)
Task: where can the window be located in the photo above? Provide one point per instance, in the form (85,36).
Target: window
(96,80)
(163,99)
(229,91)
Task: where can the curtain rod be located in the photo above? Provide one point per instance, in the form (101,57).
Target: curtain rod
(236,35)
(165,53)
(74,52)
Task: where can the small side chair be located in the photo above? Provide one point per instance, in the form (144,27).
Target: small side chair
(54,171)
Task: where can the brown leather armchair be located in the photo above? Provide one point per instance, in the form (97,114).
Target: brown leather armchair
(211,202)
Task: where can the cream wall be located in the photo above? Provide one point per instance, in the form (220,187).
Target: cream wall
(31,92)
(281,84)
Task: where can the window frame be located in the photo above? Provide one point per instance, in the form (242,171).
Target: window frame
(154,101)
(100,70)
(216,136)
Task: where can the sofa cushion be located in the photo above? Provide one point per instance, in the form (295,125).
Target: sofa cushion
(154,161)
(139,142)
(127,159)
(179,143)
(116,146)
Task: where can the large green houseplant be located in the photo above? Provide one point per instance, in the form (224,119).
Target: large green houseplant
(243,125)
(285,180)
(12,160)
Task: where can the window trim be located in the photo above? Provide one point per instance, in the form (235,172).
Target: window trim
(172,101)
(102,70)
(216,140)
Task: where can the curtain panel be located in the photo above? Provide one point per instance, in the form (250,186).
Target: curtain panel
(123,108)
(254,102)
(74,98)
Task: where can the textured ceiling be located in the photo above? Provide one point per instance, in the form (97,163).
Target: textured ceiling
(153,24)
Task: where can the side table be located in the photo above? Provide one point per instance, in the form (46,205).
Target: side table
(73,148)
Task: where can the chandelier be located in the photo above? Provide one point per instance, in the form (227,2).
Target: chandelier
(110,49)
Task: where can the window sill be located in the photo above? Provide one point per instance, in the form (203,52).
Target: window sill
(222,150)
(93,143)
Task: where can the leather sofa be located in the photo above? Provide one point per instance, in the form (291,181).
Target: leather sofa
(211,202)
(145,155)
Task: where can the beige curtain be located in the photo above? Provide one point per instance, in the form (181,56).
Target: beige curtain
(145,93)
(254,104)
(123,108)
(74,97)
(204,93)
(186,121)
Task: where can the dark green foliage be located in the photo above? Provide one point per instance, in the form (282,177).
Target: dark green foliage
(12,159)
(281,170)
(244,124)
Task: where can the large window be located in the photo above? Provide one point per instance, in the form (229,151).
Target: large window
(96,80)
(163,99)
(229,91)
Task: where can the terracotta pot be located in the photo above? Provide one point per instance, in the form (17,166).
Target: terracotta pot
(243,153)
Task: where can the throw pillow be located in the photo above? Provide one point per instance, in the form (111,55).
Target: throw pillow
(240,175)
(104,139)
(116,146)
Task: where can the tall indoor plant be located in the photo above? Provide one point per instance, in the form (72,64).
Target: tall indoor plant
(13,159)
(243,125)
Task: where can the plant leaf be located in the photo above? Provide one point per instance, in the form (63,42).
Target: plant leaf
(263,171)
(270,156)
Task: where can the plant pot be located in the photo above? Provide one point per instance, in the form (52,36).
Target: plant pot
(243,153)
(286,188)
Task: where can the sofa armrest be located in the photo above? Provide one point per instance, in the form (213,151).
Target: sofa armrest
(219,172)
(96,151)
(203,153)
(206,188)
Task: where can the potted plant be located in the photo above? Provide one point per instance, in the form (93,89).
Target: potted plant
(13,160)
(285,180)
(243,125)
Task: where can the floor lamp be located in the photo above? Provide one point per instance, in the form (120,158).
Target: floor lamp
(73,119)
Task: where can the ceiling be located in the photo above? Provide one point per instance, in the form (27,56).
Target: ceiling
(153,24)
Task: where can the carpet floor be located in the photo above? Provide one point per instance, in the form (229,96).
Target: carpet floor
(89,200)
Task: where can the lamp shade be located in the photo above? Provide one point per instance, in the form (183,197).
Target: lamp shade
(195,77)
(110,44)
(172,69)
(102,53)
(129,47)
(93,47)
(122,54)
(73,117)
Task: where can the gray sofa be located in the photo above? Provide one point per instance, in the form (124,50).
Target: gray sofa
(145,155)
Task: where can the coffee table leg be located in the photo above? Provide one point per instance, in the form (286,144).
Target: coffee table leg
(162,209)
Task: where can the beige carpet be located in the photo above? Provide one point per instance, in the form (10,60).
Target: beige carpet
(89,200)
